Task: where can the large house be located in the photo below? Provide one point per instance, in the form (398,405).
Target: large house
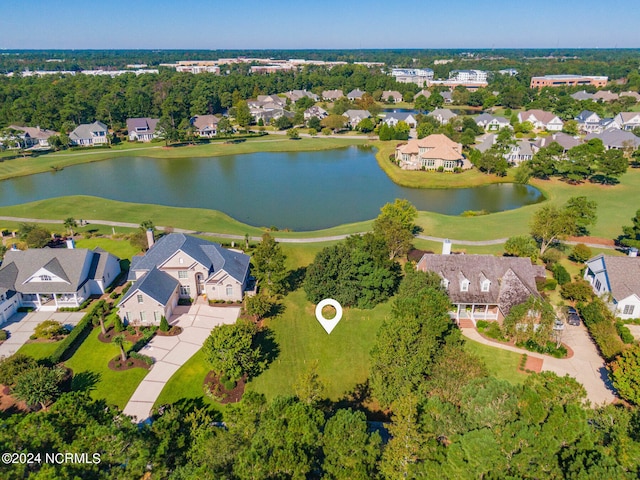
(355,94)
(295,95)
(442,115)
(491,123)
(605,96)
(628,120)
(49,278)
(28,137)
(391,95)
(519,152)
(90,134)
(206,125)
(567,142)
(142,129)
(483,287)
(589,121)
(617,279)
(332,95)
(315,111)
(393,118)
(354,117)
(181,266)
(541,120)
(431,153)
(616,139)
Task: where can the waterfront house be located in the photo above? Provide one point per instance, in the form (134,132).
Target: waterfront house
(90,134)
(206,126)
(617,281)
(142,129)
(567,142)
(31,137)
(315,111)
(431,153)
(391,96)
(393,118)
(181,266)
(483,287)
(442,115)
(354,117)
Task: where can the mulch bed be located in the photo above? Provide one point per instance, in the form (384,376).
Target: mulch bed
(44,340)
(533,364)
(512,343)
(172,332)
(594,240)
(135,363)
(133,338)
(10,404)
(212,382)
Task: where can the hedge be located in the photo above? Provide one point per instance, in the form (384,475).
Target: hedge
(77,335)
(601,325)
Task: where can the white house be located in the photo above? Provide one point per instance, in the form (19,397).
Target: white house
(393,118)
(617,280)
(142,129)
(491,123)
(541,120)
(354,117)
(89,134)
(628,120)
(589,121)
(206,126)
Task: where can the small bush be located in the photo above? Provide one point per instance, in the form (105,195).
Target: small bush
(114,295)
(49,329)
(130,363)
(580,291)
(551,257)
(580,253)
(480,324)
(494,331)
(550,284)
(228,383)
(164,324)
(625,333)
(145,358)
(440,169)
(118,326)
(3,335)
(560,274)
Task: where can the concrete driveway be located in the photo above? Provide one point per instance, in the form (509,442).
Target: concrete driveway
(586,365)
(170,353)
(22,325)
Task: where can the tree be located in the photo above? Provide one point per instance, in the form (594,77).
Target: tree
(258,305)
(119,341)
(269,265)
(283,123)
(13,366)
(631,233)
(167,131)
(583,212)
(98,318)
(625,372)
(398,239)
(231,350)
(350,451)
(365,125)
(38,386)
(309,388)
(550,224)
(164,324)
(34,235)
(70,223)
(421,103)
(385,132)
(522,246)
(243,114)
(401,210)
(531,320)
(334,122)
(224,126)
(492,161)
(293,134)
(314,122)
(580,253)
(611,165)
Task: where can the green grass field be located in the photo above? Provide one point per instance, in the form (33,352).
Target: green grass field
(38,351)
(501,364)
(89,365)
(120,248)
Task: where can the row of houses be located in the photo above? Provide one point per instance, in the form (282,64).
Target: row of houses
(175,267)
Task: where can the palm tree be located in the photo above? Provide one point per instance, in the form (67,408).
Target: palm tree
(119,341)
(98,317)
(70,223)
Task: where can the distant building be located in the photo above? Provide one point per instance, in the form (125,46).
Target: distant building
(31,137)
(419,76)
(512,72)
(568,81)
(332,95)
(464,76)
(541,120)
(355,94)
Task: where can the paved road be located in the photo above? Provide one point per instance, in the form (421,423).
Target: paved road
(170,353)
(586,365)
(22,325)
(330,238)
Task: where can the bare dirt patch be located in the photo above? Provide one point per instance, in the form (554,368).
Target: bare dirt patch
(213,384)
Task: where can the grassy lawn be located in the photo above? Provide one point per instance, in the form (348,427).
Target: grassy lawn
(89,365)
(38,350)
(343,356)
(120,248)
(276,143)
(501,364)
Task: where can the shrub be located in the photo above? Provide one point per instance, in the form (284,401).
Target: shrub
(114,295)
(580,253)
(77,335)
(494,331)
(551,257)
(228,383)
(14,366)
(625,333)
(118,326)
(480,324)
(550,284)
(600,323)
(580,291)
(49,329)
(130,363)
(560,274)
(164,324)
(440,169)
(145,358)
(3,335)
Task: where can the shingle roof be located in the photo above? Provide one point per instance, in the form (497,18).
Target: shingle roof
(204,121)
(582,95)
(357,93)
(86,129)
(142,124)
(539,115)
(566,141)
(332,94)
(209,254)
(158,285)
(35,132)
(616,138)
(512,279)
(623,274)
(442,112)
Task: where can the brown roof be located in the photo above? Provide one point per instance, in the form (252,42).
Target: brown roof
(513,279)
(35,132)
(203,121)
(438,145)
(540,115)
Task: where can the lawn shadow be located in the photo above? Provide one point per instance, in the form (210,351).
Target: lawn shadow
(85,381)
(270,349)
(360,399)
(188,405)
(295,278)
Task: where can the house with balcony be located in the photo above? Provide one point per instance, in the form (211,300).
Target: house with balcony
(491,123)
(431,153)
(206,126)
(483,287)
(180,266)
(589,121)
(617,281)
(142,129)
(90,134)
(49,278)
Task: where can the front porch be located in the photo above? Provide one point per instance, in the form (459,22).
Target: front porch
(51,301)
(474,312)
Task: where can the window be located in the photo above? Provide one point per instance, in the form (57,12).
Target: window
(445,284)
(45,278)
(140,298)
(183,274)
(156,316)
(229,290)
(464,286)
(185,290)
(597,285)
(628,309)
(180,260)
(143,316)
(485,285)
(450,164)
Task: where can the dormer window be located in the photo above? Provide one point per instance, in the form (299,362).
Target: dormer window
(445,283)
(45,278)
(485,285)
(464,286)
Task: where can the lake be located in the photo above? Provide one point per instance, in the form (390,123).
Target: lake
(300,191)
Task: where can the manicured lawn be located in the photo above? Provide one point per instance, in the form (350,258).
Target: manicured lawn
(120,248)
(501,364)
(38,350)
(343,356)
(187,383)
(276,143)
(89,365)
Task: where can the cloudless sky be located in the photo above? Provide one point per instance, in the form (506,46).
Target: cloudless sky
(289,24)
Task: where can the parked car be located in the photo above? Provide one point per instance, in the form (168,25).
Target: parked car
(573,318)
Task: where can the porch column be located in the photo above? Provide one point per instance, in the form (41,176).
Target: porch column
(458,314)
(486,311)
(55,299)
(75,298)
(38,300)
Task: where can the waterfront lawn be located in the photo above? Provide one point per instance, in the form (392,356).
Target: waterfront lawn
(343,357)
(89,365)
(120,248)
(39,351)
(501,364)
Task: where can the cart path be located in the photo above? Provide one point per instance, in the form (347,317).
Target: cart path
(328,238)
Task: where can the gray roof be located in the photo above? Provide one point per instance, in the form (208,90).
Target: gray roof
(582,95)
(142,124)
(67,264)
(400,116)
(158,285)
(524,147)
(623,274)
(353,114)
(566,141)
(513,279)
(209,254)
(357,93)
(442,112)
(332,94)
(584,115)
(87,130)
(616,138)
(484,118)
(488,142)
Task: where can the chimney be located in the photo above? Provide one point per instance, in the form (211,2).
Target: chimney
(446,247)
(150,240)
(71,243)
(633,252)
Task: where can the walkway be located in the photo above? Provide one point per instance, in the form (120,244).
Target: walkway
(170,353)
(22,325)
(586,365)
(330,238)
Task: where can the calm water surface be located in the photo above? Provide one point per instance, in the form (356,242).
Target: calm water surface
(300,191)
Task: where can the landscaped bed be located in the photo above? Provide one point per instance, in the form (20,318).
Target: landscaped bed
(223,390)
